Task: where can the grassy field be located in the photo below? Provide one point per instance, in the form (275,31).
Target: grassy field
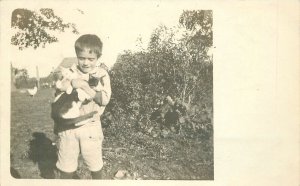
(138,155)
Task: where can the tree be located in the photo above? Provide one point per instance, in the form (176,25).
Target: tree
(198,40)
(200,23)
(36,28)
(21,77)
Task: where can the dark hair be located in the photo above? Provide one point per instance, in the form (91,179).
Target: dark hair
(89,41)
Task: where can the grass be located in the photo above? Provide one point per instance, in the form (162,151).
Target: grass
(140,155)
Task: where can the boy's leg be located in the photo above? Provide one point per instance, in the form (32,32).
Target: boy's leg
(68,151)
(91,148)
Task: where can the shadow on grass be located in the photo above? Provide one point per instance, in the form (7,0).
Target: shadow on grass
(14,173)
(43,153)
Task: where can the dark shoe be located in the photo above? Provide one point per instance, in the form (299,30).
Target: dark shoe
(66,175)
(97,175)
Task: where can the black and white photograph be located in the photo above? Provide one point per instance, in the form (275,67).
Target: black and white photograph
(101,93)
(149,92)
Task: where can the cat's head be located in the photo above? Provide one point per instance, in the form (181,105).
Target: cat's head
(68,73)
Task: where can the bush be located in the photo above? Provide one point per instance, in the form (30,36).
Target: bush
(173,66)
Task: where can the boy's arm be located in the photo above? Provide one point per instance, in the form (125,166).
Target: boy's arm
(80,83)
(102,97)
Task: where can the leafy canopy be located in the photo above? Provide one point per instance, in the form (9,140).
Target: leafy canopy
(36,28)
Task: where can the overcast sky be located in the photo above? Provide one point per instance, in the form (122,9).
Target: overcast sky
(117,24)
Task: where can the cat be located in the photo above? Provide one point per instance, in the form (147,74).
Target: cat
(65,109)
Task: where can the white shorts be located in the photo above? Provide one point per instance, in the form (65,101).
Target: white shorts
(86,140)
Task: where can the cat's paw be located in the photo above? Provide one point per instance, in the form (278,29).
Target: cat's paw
(69,90)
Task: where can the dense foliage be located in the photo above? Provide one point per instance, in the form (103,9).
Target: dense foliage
(167,87)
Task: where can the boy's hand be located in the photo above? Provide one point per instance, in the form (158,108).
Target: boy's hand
(84,85)
(79,83)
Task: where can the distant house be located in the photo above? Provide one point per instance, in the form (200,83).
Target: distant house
(66,63)
(69,61)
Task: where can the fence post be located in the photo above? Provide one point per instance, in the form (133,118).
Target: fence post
(37,77)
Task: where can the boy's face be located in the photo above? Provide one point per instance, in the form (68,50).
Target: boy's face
(86,60)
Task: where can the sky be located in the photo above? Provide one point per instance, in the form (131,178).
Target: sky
(118,24)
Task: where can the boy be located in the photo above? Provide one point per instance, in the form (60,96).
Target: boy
(86,137)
